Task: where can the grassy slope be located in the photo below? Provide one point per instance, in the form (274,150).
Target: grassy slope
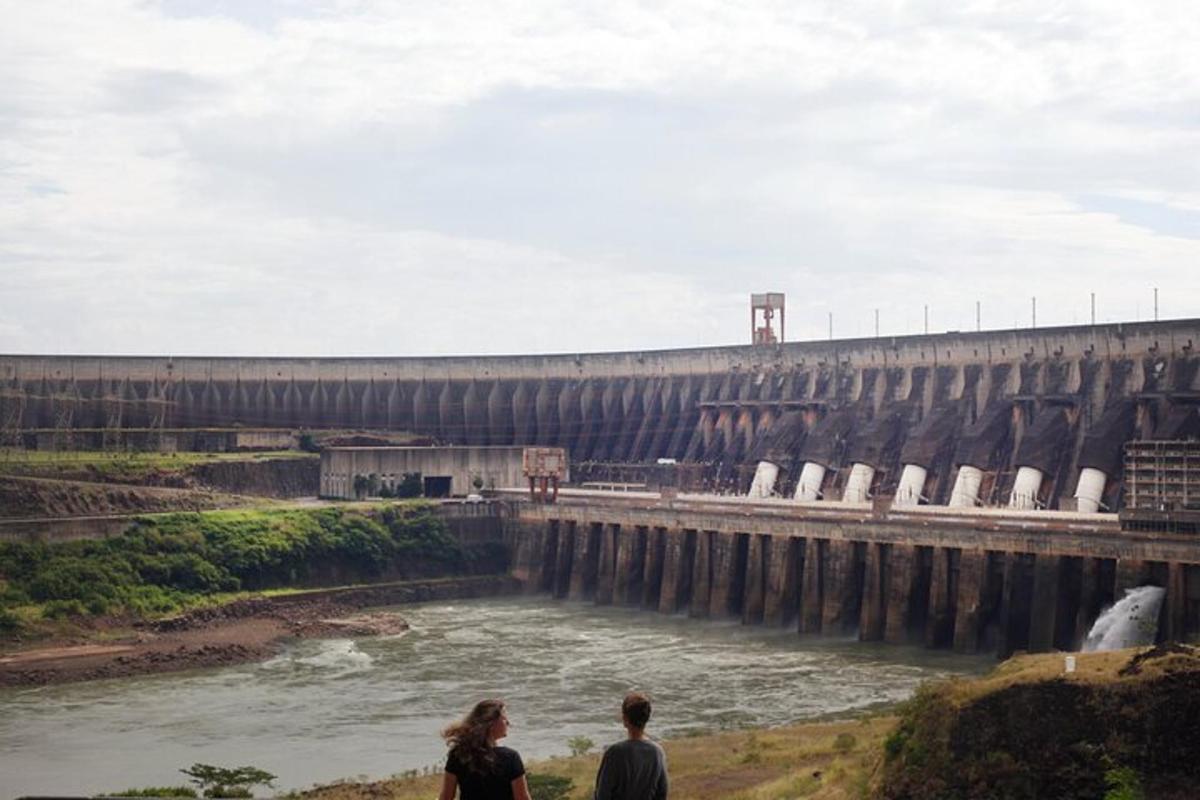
(805,760)
(119,467)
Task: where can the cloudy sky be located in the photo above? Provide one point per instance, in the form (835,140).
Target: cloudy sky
(405,178)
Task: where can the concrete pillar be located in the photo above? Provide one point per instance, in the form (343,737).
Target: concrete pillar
(606,571)
(1015,606)
(1131,573)
(727,576)
(527,560)
(902,563)
(701,575)
(549,557)
(1044,603)
(871,619)
(841,591)
(782,584)
(1176,603)
(939,624)
(652,573)
(583,563)
(968,612)
(1089,598)
(563,559)
(810,586)
(754,597)
(677,572)
(623,573)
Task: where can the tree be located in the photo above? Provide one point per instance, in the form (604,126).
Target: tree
(220,782)
(580,745)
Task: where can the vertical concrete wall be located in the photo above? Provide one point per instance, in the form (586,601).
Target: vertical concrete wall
(971,600)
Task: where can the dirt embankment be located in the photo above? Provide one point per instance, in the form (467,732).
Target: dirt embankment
(245,630)
(67,490)
(42,497)
(279,477)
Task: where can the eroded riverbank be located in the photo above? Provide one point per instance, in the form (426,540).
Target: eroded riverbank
(247,630)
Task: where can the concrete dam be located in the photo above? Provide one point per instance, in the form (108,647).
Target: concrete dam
(955,489)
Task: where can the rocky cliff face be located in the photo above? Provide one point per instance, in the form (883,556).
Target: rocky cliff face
(1123,719)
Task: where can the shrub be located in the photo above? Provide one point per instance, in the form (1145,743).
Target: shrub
(844,742)
(224,782)
(1123,783)
(549,787)
(410,485)
(580,745)
(10,623)
(164,562)
(155,791)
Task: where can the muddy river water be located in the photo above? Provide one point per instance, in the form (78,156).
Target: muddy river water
(324,710)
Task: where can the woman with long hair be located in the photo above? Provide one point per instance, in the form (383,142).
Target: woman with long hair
(477,767)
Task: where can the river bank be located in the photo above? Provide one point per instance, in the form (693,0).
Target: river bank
(330,708)
(244,630)
(824,760)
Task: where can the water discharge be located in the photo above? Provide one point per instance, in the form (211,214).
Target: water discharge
(1131,622)
(324,710)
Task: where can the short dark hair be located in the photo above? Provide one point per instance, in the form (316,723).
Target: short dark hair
(636,709)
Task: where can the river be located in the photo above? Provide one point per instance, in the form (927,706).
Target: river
(324,710)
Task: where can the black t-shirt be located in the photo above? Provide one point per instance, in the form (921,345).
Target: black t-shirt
(493,785)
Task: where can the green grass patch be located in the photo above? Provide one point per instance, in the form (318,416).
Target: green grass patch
(167,562)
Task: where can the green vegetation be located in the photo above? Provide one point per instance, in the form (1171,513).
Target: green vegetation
(787,763)
(1116,723)
(167,562)
(549,787)
(222,782)
(154,791)
(120,467)
(580,745)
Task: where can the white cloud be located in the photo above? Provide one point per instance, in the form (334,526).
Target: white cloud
(402,177)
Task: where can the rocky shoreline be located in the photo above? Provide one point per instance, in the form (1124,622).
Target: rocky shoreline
(246,630)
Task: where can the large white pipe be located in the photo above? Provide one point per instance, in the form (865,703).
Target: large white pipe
(966,487)
(912,483)
(764,479)
(858,485)
(808,488)
(1090,490)
(1025,488)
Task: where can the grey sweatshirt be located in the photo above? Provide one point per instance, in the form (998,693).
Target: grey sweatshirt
(635,769)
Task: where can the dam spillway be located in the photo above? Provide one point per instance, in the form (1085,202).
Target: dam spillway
(972,580)
(1027,412)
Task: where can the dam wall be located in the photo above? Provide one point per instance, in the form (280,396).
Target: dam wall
(1055,401)
(976,580)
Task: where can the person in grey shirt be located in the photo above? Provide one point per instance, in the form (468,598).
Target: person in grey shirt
(635,769)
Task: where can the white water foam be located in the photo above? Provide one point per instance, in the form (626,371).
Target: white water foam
(1131,622)
(332,655)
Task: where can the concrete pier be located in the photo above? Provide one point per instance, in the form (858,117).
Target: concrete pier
(652,570)
(874,600)
(970,581)
(702,576)
(606,572)
(782,593)
(754,597)
(902,564)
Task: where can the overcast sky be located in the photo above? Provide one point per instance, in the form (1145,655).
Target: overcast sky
(407,178)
